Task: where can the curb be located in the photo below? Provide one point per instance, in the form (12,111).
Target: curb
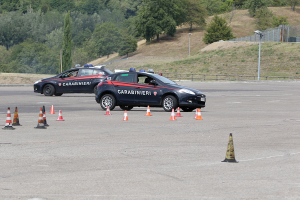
(13,85)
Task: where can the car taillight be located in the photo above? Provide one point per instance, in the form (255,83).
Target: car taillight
(101,83)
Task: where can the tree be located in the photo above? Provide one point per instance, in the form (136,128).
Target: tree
(212,6)
(253,5)
(128,45)
(160,16)
(196,14)
(217,30)
(106,39)
(264,18)
(67,44)
(293,3)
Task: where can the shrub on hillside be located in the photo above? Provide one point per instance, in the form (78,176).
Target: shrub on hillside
(217,30)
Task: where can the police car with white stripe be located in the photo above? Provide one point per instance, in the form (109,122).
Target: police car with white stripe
(76,80)
(130,89)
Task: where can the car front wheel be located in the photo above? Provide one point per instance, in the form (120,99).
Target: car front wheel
(169,103)
(108,100)
(49,90)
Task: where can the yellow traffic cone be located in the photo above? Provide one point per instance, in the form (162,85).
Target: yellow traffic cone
(230,151)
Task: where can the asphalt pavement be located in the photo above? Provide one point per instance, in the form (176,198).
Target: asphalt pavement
(95,156)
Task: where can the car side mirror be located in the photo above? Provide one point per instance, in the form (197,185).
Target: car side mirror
(153,82)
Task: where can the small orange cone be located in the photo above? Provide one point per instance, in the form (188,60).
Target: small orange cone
(196,113)
(44,117)
(148,111)
(16,118)
(230,157)
(60,118)
(8,125)
(52,110)
(125,118)
(178,113)
(199,114)
(40,124)
(173,115)
(107,111)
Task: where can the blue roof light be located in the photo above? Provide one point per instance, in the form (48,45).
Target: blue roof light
(86,65)
(132,70)
(90,65)
(141,70)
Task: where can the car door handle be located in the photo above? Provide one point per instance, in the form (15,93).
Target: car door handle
(116,85)
(137,88)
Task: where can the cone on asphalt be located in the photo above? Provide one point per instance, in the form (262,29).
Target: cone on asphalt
(52,110)
(230,157)
(8,124)
(60,118)
(199,114)
(44,117)
(148,111)
(196,113)
(16,118)
(125,118)
(107,111)
(178,113)
(40,124)
(173,115)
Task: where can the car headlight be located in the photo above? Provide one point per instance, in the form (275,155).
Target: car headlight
(38,81)
(186,91)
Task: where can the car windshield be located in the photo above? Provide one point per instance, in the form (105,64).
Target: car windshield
(164,79)
(108,71)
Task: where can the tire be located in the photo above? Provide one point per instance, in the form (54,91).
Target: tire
(48,90)
(169,103)
(108,100)
(95,90)
(187,109)
(126,107)
(58,94)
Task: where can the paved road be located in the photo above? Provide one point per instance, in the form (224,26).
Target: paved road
(93,156)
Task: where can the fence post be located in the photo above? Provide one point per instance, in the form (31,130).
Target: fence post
(204,77)
(192,77)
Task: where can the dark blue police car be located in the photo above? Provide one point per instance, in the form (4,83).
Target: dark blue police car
(76,80)
(129,89)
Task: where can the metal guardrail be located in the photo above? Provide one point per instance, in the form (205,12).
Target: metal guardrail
(222,77)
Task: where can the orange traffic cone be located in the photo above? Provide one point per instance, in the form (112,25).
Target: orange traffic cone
(60,118)
(173,115)
(40,124)
(16,118)
(148,111)
(196,113)
(178,113)
(8,125)
(52,110)
(107,111)
(199,114)
(44,117)
(125,118)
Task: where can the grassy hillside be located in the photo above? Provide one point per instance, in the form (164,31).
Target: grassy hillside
(170,54)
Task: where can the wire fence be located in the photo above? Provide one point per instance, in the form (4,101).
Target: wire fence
(220,77)
(283,33)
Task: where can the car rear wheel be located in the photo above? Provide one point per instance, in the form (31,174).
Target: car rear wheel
(169,103)
(49,90)
(126,107)
(58,94)
(187,109)
(108,100)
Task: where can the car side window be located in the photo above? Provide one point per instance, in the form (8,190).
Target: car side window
(67,74)
(125,78)
(86,72)
(143,79)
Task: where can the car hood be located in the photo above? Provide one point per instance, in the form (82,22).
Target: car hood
(197,92)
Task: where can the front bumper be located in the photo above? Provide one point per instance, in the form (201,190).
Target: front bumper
(193,101)
(37,88)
